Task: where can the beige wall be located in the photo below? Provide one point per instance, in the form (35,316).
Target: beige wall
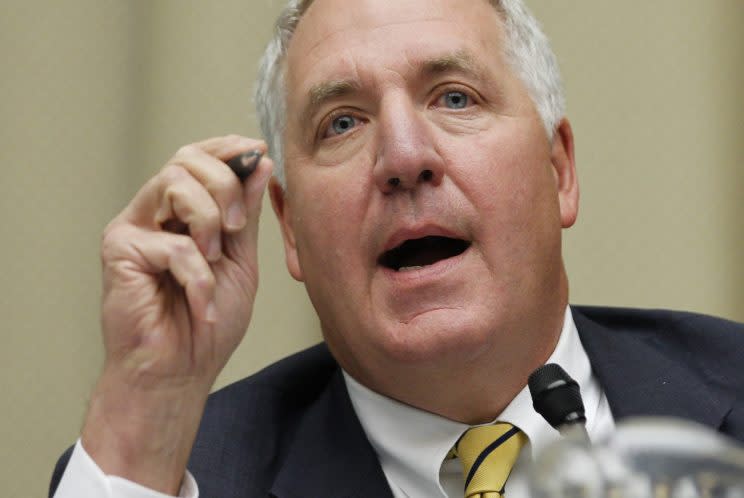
(656,94)
(96,95)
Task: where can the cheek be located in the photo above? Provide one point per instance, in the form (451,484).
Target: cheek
(503,171)
(506,175)
(330,212)
(354,146)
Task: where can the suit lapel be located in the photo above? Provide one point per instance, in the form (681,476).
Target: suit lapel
(330,455)
(639,373)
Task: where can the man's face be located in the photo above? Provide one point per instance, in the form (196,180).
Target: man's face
(424,200)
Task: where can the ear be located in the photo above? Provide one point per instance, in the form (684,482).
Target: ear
(564,171)
(284,215)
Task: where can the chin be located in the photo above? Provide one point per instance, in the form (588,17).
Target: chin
(434,336)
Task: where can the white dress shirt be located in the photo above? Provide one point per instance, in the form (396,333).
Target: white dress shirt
(410,443)
(84,479)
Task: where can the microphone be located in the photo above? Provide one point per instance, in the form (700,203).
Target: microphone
(557,397)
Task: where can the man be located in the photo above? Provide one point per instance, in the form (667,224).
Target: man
(424,172)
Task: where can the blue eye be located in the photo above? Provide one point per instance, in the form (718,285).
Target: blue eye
(342,124)
(456,100)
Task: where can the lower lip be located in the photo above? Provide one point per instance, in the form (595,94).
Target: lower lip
(427,273)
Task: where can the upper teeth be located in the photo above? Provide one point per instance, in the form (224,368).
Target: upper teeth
(409,268)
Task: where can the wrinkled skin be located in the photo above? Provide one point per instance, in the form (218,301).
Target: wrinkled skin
(469,158)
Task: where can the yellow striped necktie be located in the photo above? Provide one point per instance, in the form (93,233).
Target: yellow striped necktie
(488,454)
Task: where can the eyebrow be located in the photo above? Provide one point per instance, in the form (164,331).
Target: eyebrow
(321,93)
(328,90)
(458,62)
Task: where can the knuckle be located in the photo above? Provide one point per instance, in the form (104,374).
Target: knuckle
(115,240)
(172,190)
(206,281)
(110,237)
(184,246)
(205,221)
(188,150)
(172,173)
(222,186)
(211,214)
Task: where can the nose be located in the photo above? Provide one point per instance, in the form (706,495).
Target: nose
(407,157)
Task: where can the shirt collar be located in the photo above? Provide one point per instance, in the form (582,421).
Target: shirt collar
(411,443)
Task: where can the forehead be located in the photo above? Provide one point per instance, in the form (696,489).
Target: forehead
(338,39)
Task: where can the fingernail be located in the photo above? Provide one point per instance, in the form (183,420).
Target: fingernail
(215,249)
(211,314)
(235,217)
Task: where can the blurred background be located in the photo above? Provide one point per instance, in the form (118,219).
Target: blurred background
(96,95)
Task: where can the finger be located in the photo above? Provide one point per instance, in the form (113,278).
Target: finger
(200,159)
(224,148)
(219,180)
(157,252)
(241,246)
(186,200)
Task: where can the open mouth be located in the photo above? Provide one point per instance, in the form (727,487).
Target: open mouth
(418,253)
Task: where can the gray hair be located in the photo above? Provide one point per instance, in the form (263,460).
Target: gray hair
(527,49)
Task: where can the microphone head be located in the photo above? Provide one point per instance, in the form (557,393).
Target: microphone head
(556,396)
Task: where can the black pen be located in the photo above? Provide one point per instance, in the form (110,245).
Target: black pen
(243,165)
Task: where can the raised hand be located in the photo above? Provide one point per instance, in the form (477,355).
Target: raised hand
(180,276)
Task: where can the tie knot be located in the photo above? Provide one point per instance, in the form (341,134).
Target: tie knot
(488,454)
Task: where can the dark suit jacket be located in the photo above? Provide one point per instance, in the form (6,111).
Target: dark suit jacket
(290,431)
